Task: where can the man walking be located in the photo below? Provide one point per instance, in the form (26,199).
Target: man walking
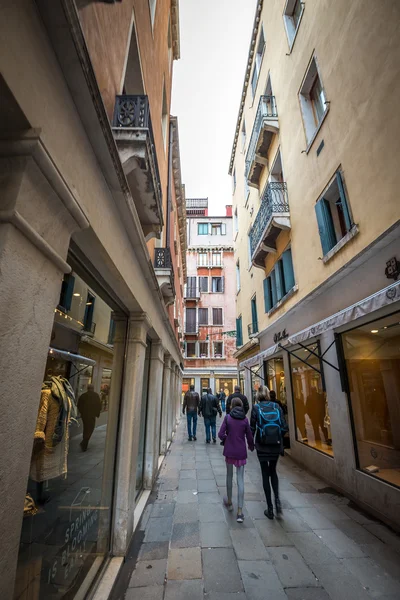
(191,403)
(209,407)
(222,398)
(89,406)
(237,394)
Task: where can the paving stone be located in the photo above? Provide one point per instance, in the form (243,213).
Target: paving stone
(371,576)
(221,572)
(169,485)
(182,590)
(158,530)
(153,592)
(154,551)
(272,533)
(312,548)
(145,517)
(248,544)
(256,509)
(292,522)
(209,498)
(356,532)
(187,485)
(184,563)
(295,499)
(333,513)
(384,534)
(207,485)
(187,466)
(166,497)
(315,519)
(211,514)
(338,582)
(260,580)
(284,485)
(204,474)
(215,535)
(384,556)
(148,572)
(306,594)
(188,474)
(357,515)
(291,568)
(224,596)
(162,510)
(341,545)
(186,497)
(304,488)
(253,497)
(185,535)
(230,518)
(186,513)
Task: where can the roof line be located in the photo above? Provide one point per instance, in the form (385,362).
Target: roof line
(246,80)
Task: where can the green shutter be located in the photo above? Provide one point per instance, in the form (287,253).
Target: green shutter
(280,284)
(67,290)
(288,273)
(273,288)
(239,332)
(254,319)
(346,212)
(267,294)
(325,225)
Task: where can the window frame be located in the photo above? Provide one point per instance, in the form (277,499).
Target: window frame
(222,284)
(216,226)
(238,282)
(219,308)
(206,227)
(258,59)
(218,355)
(204,277)
(291,27)
(195,350)
(239,331)
(276,286)
(216,263)
(243,135)
(202,256)
(203,308)
(207,344)
(311,125)
(152,9)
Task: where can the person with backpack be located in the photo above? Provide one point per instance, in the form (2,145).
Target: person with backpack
(234,432)
(191,403)
(209,408)
(237,394)
(268,426)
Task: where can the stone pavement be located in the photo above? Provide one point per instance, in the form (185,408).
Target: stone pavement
(188,547)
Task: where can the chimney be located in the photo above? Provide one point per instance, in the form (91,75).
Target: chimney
(229,210)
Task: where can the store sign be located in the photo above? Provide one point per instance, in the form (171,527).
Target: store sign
(392,270)
(280,335)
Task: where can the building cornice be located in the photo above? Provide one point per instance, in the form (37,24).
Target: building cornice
(250,57)
(179,191)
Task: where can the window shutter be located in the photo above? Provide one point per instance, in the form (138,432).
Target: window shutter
(239,333)
(267,294)
(209,229)
(280,289)
(325,225)
(254,319)
(346,212)
(273,288)
(223,229)
(288,272)
(222,284)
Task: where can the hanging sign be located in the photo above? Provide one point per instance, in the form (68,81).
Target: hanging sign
(280,335)
(392,270)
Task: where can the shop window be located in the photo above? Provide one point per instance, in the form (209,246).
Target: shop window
(241,381)
(279,282)
(333,214)
(203,284)
(275,380)
(218,318)
(218,349)
(140,464)
(67,290)
(226,385)
(372,355)
(203,349)
(203,316)
(239,332)
(191,350)
(256,381)
(186,383)
(217,284)
(202,228)
(204,384)
(313,426)
(88,324)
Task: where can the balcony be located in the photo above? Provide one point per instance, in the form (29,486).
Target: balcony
(190,293)
(133,135)
(272,217)
(265,126)
(165,273)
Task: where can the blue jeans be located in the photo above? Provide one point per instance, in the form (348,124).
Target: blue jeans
(223,405)
(210,423)
(191,415)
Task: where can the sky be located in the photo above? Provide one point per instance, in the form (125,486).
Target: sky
(207,86)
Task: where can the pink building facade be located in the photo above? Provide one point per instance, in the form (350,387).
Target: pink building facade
(209,300)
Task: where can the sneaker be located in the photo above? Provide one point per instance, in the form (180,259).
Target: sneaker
(208,442)
(269,512)
(227,505)
(214,441)
(240,518)
(278,506)
(189,439)
(194,438)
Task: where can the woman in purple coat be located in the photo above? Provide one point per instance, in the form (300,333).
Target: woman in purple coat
(234,431)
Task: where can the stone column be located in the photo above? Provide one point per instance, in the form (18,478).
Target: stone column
(152,447)
(128,439)
(165,402)
(38,214)
(171,397)
(178,408)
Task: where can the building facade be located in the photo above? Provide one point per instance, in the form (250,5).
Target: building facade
(209,296)
(317,237)
(92,264)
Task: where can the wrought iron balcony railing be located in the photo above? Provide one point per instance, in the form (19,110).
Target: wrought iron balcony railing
(274,200)
(191,293)
(266,110)
(163,261)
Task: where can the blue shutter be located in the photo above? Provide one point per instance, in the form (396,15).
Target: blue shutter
(288,273)
(346,212)
(267,294)
(239,332)
(67,289)
(273,288)
(280,284)
(325,225)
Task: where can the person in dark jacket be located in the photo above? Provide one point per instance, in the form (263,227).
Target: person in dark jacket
(222,399)
(268,454)
(209,408)
(234,432)
(89,406)
(242,397)
(191,403)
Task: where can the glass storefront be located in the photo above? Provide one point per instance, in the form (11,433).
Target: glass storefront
(275,380)
(372,354)
(227,385)
(313,426)
(66,528)
(186,383)
(241,381)
(143,422)
(256,381)
(204,385)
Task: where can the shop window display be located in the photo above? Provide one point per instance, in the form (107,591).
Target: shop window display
(310,401)
(65,534)
(227,385)
(372,354)
(275,380)
(256,381)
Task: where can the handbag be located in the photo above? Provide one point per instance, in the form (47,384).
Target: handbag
(222,442)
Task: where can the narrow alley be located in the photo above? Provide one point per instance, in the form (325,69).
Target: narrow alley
(187,546)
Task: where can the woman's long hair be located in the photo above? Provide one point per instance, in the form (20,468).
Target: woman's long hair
(262,394)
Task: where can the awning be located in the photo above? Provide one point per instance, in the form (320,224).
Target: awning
(71,356)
